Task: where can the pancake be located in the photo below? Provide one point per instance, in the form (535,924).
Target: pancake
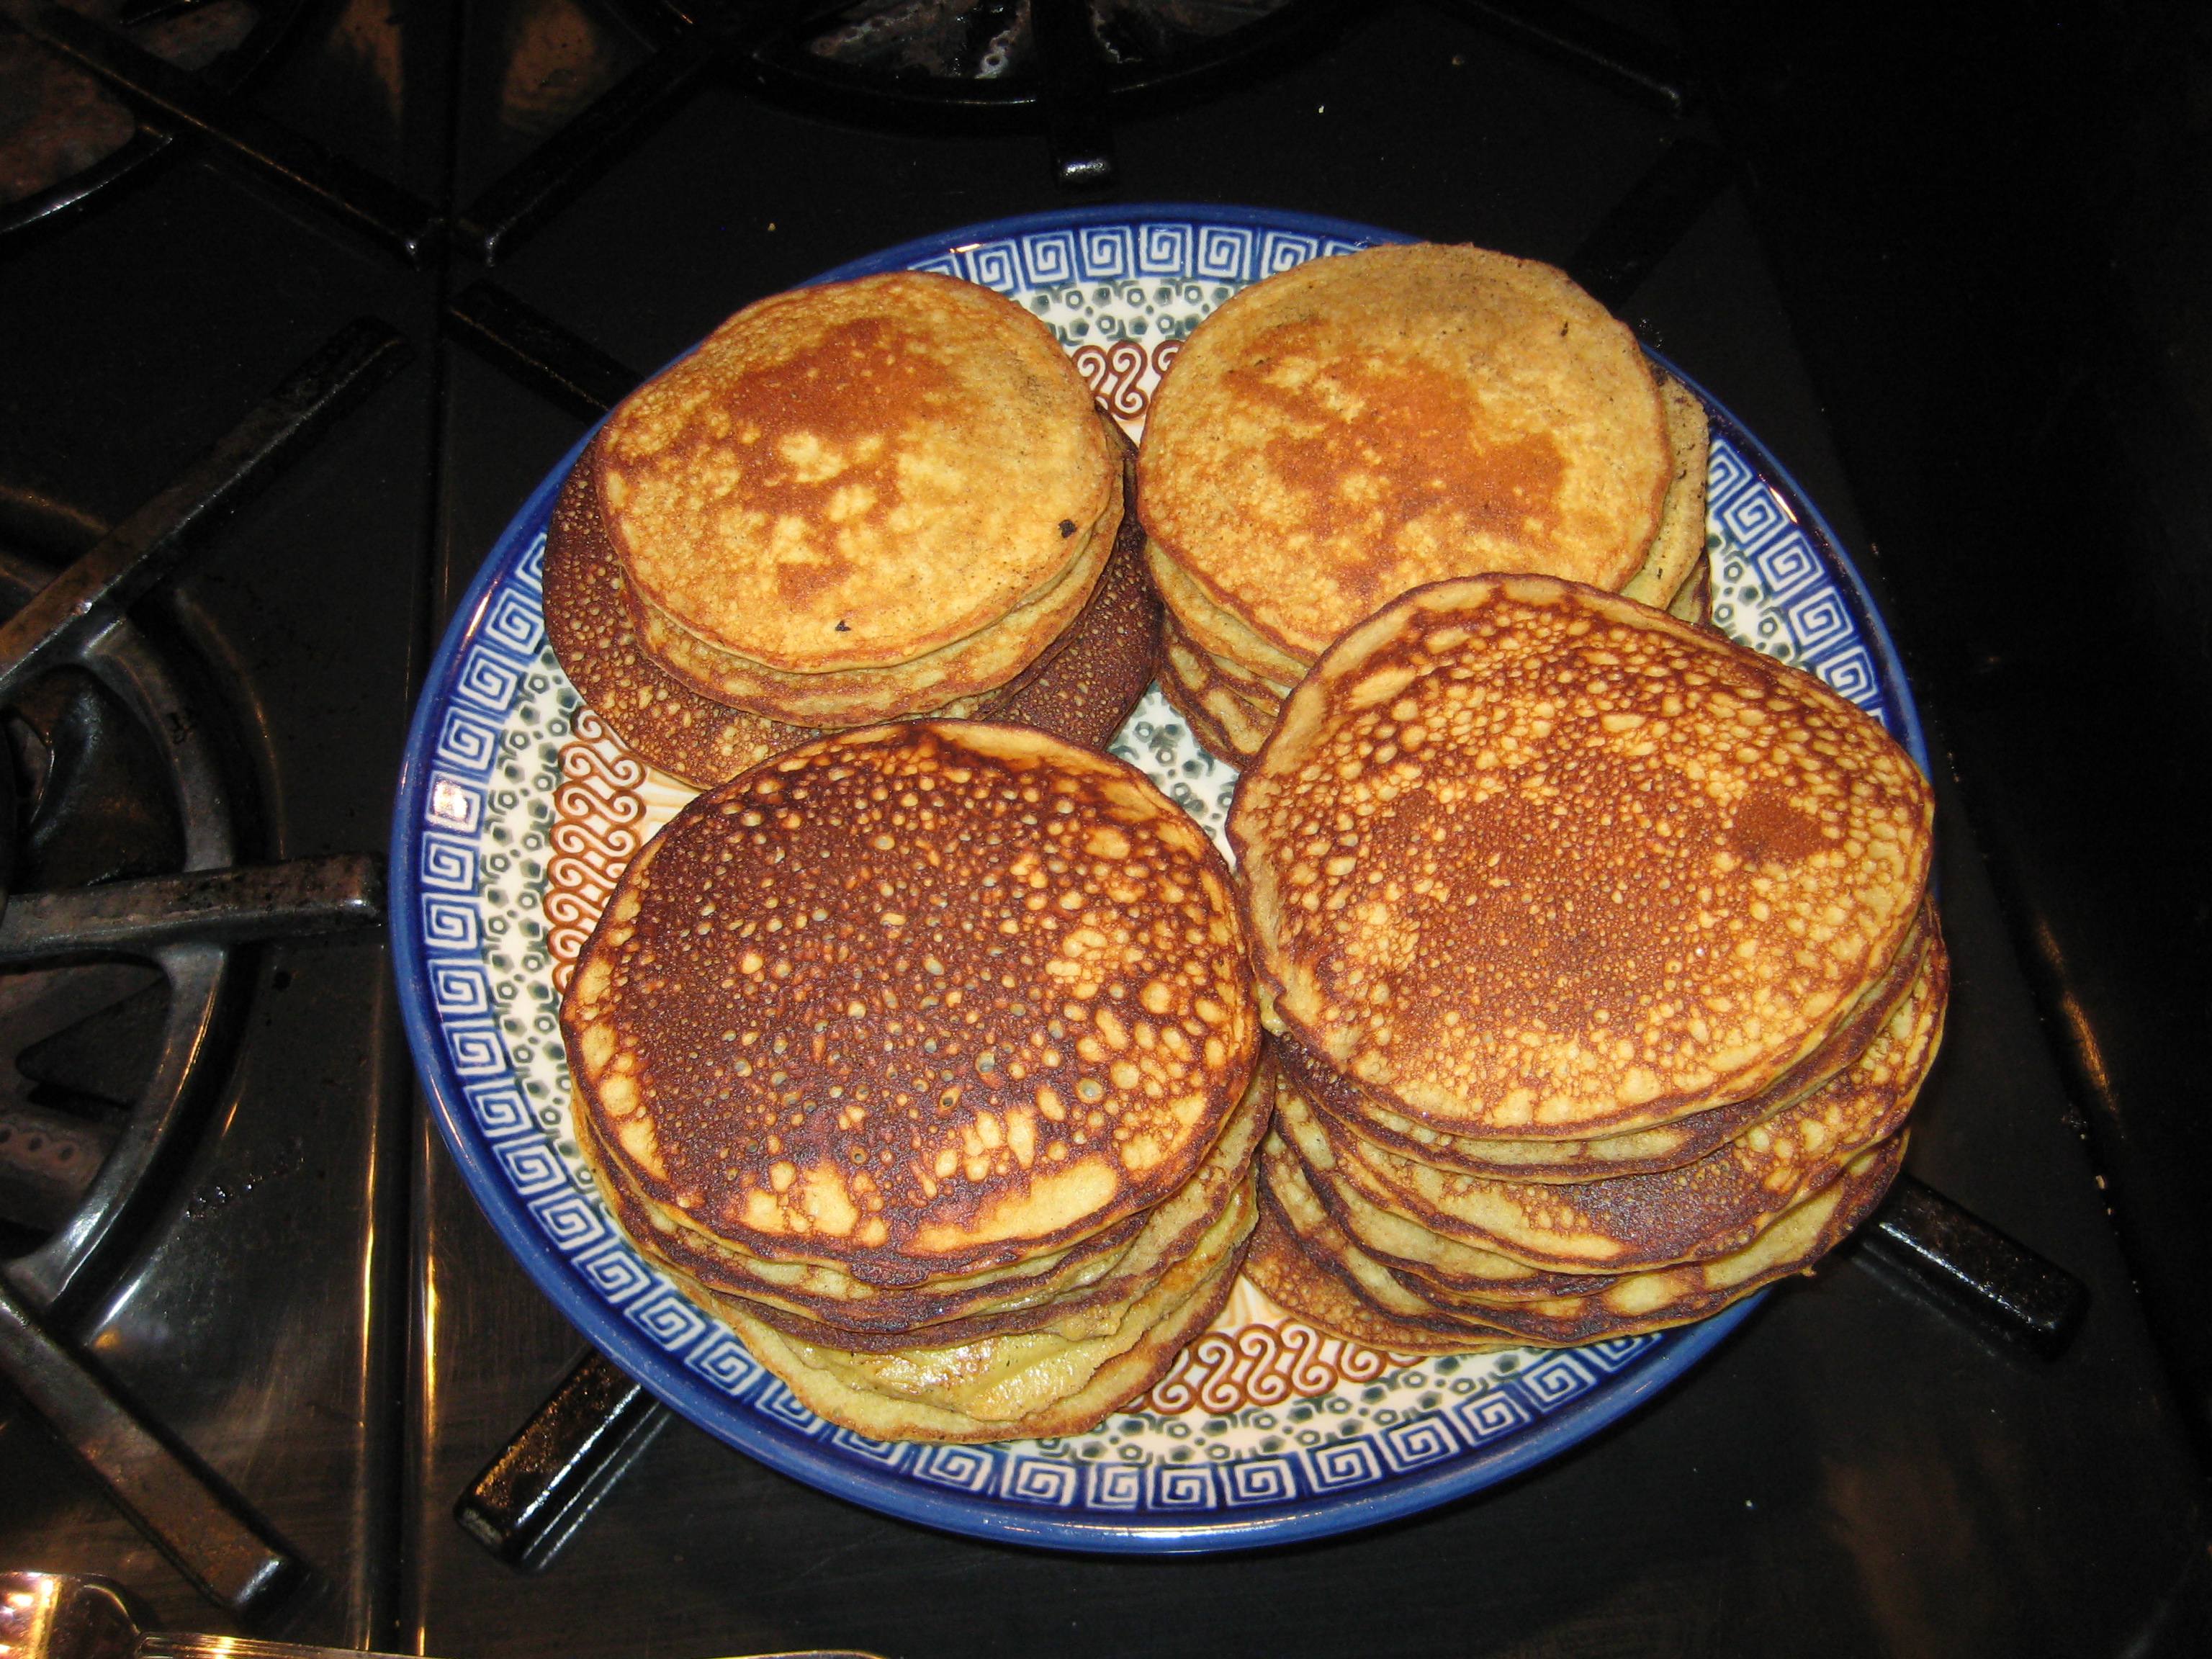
(588,618)
(916,1001)
(1202,725)
(1033,1386)
(1713,1207)
(1207,667)
(856,475)
(1679,547)
(1526,859)
(1279,1264)
(979,663)
(1172,1230)
(1693,602)
(1482,1277)
(712,1268)
(1081,687)
(1304,1262)
(1068,1290)
(1359,426)
(1304,1190)
(1639,1151)
(1234,724)
(1641,1302)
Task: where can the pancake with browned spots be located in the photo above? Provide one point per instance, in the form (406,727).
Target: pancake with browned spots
(1526,859)
(1359,426)
(1172,1229)
(856,475)
(1638,1152)
(1035,1384)
(821,1303)
(916,1001)
(1713,1207)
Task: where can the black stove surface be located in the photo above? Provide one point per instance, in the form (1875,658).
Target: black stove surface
(316,1309)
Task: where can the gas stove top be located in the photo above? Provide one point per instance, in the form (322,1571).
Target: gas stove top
(540,199)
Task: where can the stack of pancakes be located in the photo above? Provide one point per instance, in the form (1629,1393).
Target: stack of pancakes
(1601,957)
(1357,427)
(857,503)
(926,1055)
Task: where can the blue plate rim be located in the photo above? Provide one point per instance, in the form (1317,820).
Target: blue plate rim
(803,1457)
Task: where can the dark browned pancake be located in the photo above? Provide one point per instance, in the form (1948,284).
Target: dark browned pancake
(1530,860)
(1085,684)
(1701,1210)
(1637,1151)
(1171,1230)
(914,1001)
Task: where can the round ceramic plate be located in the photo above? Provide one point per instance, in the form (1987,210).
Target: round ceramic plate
(517,809)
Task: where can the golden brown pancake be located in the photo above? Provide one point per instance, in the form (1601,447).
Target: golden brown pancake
(1526,859)
(969,667)
(691,737)
(1302,1259)
(1081,688)
(1034,1385)
(1477,1276)
(1640,1301)
(1279,1262)
(1215,741)
(1302,1189)
(1638,1152)
(1206,667)
(1214,630)
(1233,723)
(856,475)
(1359,426)
(914,1001)
(1713,1207)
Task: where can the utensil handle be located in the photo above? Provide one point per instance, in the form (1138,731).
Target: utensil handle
(177,1505)
(532,1497)
(1964,1265)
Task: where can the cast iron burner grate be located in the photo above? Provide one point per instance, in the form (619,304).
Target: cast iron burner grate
(115,966)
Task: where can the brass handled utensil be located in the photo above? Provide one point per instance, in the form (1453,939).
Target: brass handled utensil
(61,1615)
